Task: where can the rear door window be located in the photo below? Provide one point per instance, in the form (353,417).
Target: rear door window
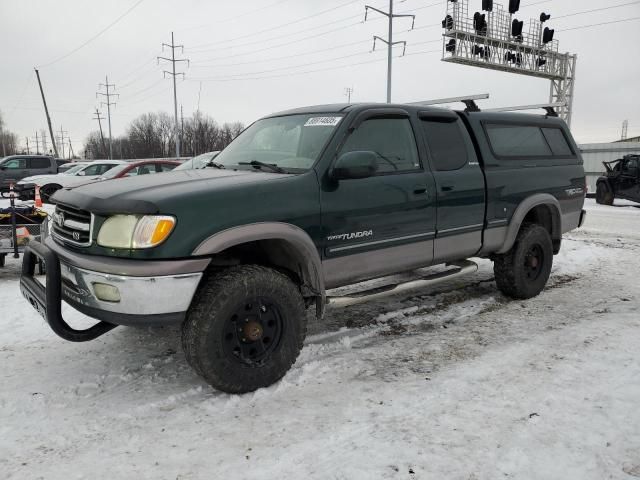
(518,141)
(446,145)
(557,141)
(39,163)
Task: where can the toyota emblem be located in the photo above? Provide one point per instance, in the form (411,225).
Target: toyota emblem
(76,236)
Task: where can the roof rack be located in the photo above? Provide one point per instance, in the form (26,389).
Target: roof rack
(468,100)
(548,107)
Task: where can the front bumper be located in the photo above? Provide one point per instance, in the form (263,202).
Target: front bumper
(140,300)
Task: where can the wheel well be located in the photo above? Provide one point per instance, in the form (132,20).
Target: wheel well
(57,185)
(278,254)
(545,216)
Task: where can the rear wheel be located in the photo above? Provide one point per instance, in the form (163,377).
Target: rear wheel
(48,190)
(245,328)
(523,271)
(604,196)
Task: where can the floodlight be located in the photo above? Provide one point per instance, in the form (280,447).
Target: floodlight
(447,22)
(514,6)
(487,5)
(541,62)
(516,29)
(544,17)
(547,35)
(451,46)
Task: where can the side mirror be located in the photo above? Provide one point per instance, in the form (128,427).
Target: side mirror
(352,165)
(82,173)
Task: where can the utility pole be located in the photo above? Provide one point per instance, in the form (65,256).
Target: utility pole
(70,149)
(389,41)
(108,103)
(99,118)
(37,143)
(173,73)
(46,111)
(43,134)
(61,139)
(348,91)
(28,151)
(181,125)
(625,126)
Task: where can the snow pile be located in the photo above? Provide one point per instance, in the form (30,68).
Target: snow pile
(453,382)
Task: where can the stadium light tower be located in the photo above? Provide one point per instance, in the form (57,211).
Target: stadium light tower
(494,39)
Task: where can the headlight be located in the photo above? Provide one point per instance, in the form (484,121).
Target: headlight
(135,231)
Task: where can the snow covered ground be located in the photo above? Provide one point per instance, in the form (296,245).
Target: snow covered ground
(457,382)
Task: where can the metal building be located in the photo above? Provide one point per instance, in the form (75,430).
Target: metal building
(594,154)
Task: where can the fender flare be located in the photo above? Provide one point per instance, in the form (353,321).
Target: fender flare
(521,212)
(302,248)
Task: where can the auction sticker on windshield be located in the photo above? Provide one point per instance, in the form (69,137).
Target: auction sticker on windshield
(323,121)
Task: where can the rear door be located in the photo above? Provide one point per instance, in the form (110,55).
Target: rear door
(384,223)
(460,186)
(40,166)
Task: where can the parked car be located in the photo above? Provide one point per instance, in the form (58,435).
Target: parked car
(67,166)
(49,184)
(143,167)
(301,202)
(16,167)
(201,161)
(621,180)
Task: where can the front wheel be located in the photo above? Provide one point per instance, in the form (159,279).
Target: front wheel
(245,328)
(523,271)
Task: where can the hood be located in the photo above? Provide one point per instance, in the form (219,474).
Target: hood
(143,194)
(37,178)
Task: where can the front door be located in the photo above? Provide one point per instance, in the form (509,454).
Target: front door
(384,223)
(13,170)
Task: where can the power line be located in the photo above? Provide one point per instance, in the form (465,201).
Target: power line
(598,24)
(596,10)
(208,25)
(276,27)
(338,67)
(94,37)
(332,59)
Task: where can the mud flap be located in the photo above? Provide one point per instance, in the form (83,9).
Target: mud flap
(47,299)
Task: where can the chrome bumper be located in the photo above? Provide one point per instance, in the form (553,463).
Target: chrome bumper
(157,295)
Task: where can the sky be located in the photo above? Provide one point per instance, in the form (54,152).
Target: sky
(255,57)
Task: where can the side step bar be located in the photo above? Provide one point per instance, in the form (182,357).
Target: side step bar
(462,268)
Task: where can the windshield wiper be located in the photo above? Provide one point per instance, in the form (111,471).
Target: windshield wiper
(211,163)
(258,164)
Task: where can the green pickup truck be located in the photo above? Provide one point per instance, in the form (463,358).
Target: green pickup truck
(302,202)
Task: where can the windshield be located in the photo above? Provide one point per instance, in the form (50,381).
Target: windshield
(197,162)
(73,170)
(113,172)
(292,142)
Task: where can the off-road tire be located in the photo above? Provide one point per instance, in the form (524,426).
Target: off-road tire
(604,196)
(48,190)
(207,327)
(512,271)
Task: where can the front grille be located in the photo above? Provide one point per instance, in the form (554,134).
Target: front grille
(72,225)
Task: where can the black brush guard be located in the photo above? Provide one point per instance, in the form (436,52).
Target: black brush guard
(48,300)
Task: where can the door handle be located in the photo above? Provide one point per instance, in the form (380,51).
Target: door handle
(419,189)
(446,188)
